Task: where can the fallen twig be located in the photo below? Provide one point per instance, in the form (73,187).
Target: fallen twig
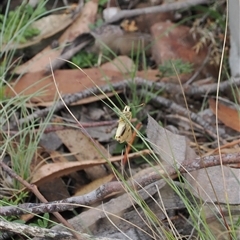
(194,90)
(156,9)
(172,106)
(34,189)
(33,230)
(42,233)
(83,124)
(173,88)
(113,188)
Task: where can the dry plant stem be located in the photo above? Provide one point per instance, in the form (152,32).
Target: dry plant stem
(172,106)
(173,88)
(222,147)
(128,149)
(112,188)
(156,9)
(33,188)
(33,230)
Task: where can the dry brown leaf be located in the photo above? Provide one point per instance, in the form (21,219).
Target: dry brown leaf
(94,185)
(150,74)
(122,64)
(129,26)
(55,170)
(175,42)
(57,157)
(55,189)
(80,25)
(83,149)
(229,116)
(68,81)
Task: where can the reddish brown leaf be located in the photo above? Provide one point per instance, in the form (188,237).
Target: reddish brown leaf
(229,116)
(68,81)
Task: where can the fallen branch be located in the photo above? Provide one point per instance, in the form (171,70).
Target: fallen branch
(113,188)
(157,9)
(176,108)
(193,90)
(42,232)
(33,188)
(173,88)
(33,230)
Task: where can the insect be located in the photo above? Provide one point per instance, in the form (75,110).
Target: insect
(124,131)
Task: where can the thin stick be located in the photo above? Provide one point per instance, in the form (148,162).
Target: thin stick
(33,188)
(184,112)
(113,188)
(34,231)
(173,88)
(156,9)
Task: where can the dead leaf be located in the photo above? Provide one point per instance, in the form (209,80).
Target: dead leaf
(101,133)
(175,42)
(68,81)
(208,184)
(55,189)
(129,26)
(145,21)
(54,170)
(122,64)
(80,25)
(48,26)
(211,185)
(94,185)
(171,147)
(83,149)
(119,41)
(229,116)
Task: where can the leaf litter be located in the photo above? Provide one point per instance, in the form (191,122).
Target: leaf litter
(73,156)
